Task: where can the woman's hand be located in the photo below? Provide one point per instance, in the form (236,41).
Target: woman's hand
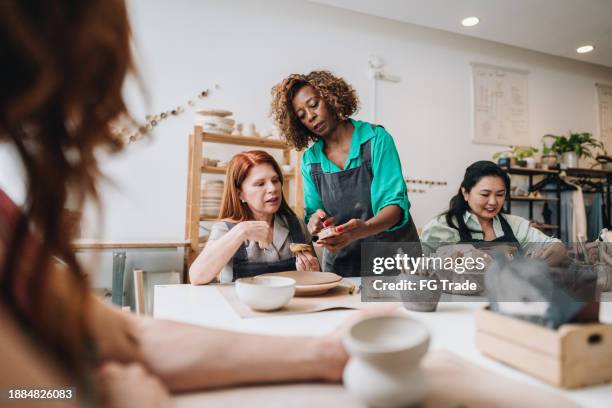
(353,230)
(319,220)
(553,254)
(336,356)
(131,386)
(305,261)
(258,231)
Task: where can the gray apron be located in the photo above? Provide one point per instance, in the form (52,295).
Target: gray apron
(346,195)
(245,268)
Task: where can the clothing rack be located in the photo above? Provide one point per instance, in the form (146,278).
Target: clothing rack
(554,182)
(549,175)
(602,186)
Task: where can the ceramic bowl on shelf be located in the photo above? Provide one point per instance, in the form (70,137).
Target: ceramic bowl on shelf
(248,129)
(214,112)
(218,121)
(287,168)
(265,293)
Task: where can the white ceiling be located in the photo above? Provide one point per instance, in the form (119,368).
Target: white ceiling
(554,27)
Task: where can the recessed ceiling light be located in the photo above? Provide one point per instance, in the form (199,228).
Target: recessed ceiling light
(470,21)
(584,49)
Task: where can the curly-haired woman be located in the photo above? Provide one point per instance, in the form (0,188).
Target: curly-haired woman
(352,172)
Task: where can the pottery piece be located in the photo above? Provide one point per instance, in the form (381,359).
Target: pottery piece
(214,112)
(569,160)
(248,129)
(309,283)
(328,232)
(425,300)
(383,370)
(265,293)
(531,162)
(548,161)
(296,248)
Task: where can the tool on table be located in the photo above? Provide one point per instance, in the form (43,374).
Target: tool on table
(581,242)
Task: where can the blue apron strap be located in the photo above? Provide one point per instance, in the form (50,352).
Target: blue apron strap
(508,233)
(295,229)
(365,152)
(316,172)
(241,254)
(243,268)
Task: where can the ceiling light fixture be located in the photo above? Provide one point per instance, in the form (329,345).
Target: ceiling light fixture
(584,49)
(470,21)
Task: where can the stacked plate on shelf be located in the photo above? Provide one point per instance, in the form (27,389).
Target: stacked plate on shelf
(210,198)
(215,121)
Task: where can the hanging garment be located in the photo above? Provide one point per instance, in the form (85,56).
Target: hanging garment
(595,222)
(579,224)
(566,223)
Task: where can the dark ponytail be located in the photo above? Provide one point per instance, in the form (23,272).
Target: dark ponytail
(473,174)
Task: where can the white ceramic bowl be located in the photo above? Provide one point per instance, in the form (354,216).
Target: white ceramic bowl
(383,335)
(265,293)
(383,370)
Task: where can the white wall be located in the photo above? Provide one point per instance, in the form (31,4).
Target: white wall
(247,46)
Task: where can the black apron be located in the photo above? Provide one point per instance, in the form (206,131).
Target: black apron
(508,237)
(346,195)
(243,268)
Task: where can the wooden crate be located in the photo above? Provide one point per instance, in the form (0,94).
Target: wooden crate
(574,356)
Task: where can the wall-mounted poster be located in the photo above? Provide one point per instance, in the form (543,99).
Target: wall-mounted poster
(604,93)
(501,109)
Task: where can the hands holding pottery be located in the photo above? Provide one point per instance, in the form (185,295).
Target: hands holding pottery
(342,235)
(318,221)
(306,261)
(554,254)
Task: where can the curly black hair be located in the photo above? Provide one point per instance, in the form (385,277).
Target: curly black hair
(339,96)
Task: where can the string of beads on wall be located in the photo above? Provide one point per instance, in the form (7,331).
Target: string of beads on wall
(429,183)
(426,182)
(129,131)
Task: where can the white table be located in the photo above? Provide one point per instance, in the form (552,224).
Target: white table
(452,327)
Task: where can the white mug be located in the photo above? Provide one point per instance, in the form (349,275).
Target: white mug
(248,129)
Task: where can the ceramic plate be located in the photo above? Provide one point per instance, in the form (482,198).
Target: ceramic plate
(214,112)
(311,283)
(218,120)
(215,131)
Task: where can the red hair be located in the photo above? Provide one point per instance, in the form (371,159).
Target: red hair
(232,208)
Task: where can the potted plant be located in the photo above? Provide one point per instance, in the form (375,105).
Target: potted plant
(521,155)
(549,157)
(572,148)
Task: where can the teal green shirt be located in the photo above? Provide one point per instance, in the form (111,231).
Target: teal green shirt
(388,185)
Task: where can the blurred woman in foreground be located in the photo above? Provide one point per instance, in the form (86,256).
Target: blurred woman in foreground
(64,64)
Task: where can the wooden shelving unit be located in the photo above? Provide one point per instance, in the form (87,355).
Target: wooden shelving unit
(525,171)
(533,199)
(194,174)
(548,226)
(531,173)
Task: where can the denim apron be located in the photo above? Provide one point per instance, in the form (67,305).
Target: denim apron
(346,194)
(245,268)
(508,237)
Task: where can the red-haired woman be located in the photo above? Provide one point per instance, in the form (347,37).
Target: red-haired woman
(55,115)
(257,225)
